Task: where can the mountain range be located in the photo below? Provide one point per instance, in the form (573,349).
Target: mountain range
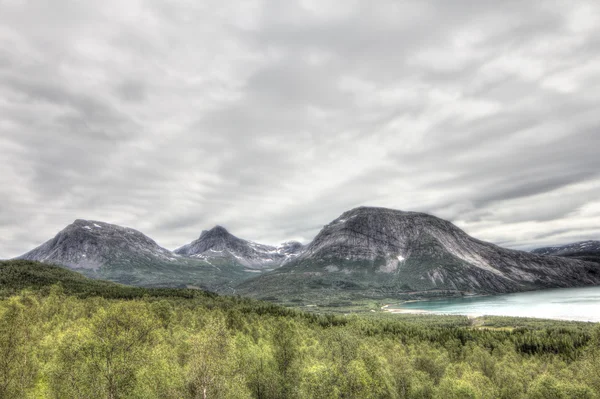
(584,250)
(377,252)
(367,252)
(216,261)
(218,243)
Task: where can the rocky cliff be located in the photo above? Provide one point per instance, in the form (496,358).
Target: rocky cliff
(378,252)
(218,243)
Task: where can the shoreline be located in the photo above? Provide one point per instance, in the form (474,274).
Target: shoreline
(549,304)
(408,311)
(386,308)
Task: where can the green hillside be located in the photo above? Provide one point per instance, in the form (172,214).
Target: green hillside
(18,275)
(65,336)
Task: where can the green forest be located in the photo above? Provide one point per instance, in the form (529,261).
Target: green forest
(65,336)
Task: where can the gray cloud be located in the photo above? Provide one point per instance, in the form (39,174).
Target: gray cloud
(272,120)
(131,90)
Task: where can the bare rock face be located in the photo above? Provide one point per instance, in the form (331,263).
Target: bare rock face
(218,243)
(378,252)
(584,250)
(90,244)
(366,252)
(124,255)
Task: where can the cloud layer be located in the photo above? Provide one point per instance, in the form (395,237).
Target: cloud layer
(272,118)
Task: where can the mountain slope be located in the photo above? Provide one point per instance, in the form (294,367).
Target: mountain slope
(378,252)
(17,275)
(583,250)
(124,255)
(219,244)
(90,244)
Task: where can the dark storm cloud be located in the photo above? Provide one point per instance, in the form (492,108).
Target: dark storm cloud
(273,118)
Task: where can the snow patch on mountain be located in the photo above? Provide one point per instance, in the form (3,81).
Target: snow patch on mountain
(569,249)
(79,245)
(219,243)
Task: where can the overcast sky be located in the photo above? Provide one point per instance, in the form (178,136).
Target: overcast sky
(274,117)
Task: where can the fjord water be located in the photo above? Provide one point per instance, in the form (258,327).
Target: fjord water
(581,304)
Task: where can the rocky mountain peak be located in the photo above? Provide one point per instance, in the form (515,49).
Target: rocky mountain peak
(218,243)
(370,232)
(88,243)
(216,232)
(379,252)
(216,239)
(107,232)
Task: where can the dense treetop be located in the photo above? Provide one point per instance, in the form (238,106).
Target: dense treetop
(64,336)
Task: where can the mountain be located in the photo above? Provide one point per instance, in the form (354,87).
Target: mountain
(584,250)
(124,255)
(219,244)
(384,253)
(89,244)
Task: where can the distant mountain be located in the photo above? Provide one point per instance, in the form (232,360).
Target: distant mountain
(124,255)
(219,244)
(366,252)
(584,250)
(379,253)
(89,244)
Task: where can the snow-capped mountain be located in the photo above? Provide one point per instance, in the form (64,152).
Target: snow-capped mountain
(586,250)
(378,252)
(218,243)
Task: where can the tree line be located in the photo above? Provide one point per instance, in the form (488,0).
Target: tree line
(93,340)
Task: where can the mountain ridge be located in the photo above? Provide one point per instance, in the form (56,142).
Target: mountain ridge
(219,243)
(125,255)
(90,232)
(378,252)
(584,250)
(366,252)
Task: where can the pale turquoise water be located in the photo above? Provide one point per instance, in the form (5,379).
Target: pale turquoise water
(582,304)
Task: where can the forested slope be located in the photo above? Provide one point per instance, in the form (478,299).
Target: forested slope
(84,339)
